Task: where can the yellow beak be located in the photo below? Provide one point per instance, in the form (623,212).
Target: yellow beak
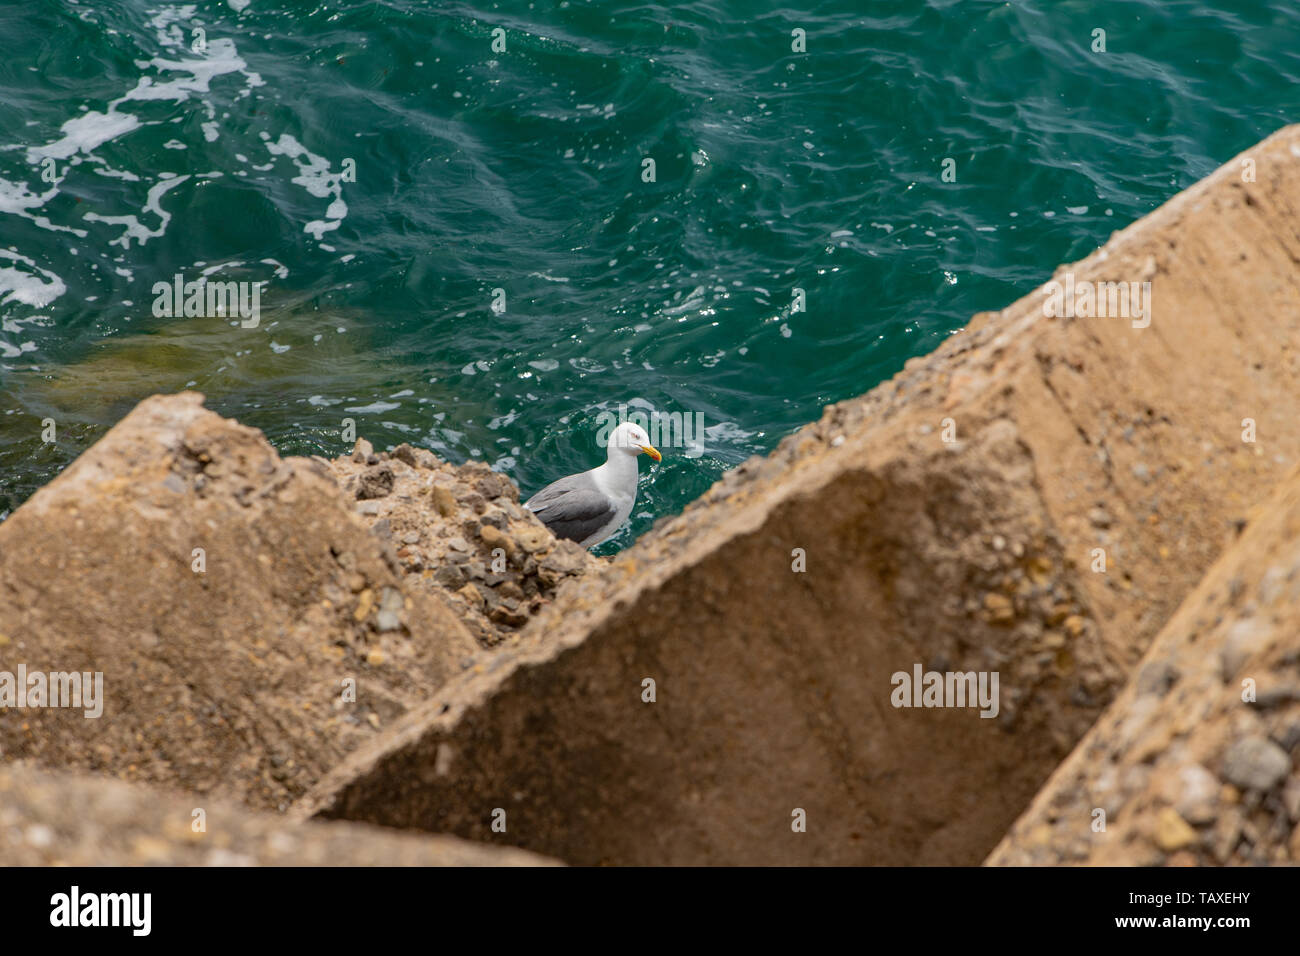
(652,451)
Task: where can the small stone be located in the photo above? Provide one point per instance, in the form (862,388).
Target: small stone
(999,608)
(1198,790)
(411,537)
(356,583)
(458,544)
(509,589)
(503,614)
(387,621)
(496,538)
(365,602)
(444,500)
(450,576)
(472,595)
(1237,646)
(405,453)
(1074,625)
(1057,614)
(1291,799)
(376,482)
(491,486)
(375,657)
(1172,832)
(532,539)
(368,508)
(1256,763)
(363,451)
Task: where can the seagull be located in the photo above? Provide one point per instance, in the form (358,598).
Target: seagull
(591,506)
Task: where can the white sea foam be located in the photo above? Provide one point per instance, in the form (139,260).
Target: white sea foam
(134,229)
(85,134)
(314,175)
(179,75)
(26,282)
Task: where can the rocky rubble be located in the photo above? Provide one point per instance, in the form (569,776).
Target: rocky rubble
(460,531)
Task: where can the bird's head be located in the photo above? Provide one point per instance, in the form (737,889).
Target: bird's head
(631,439)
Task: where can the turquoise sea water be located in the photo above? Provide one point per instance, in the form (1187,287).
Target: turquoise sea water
(382,170)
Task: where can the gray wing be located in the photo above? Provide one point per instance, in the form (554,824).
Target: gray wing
(572,508)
